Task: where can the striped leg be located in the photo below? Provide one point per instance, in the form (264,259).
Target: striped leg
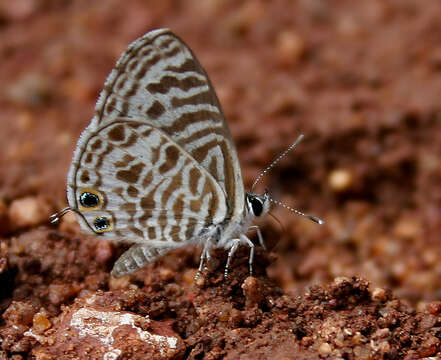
(233,249)
(205,254)
(259,235)
(245,239)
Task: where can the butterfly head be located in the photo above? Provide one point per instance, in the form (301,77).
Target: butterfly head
(257,205)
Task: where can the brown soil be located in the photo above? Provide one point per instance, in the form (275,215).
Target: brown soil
(362,81)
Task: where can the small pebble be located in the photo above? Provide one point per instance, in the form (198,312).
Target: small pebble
(252,289)
(347,331)
(29,211)
(41,322)
(379,294)
(340,180)
(325,349)
(290,47)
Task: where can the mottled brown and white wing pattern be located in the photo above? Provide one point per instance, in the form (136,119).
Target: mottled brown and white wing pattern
(157,166)
(159,80)
(134,183)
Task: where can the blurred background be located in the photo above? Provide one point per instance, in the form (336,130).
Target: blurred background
(361,80)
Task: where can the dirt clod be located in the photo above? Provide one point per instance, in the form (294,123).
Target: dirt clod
(252,290)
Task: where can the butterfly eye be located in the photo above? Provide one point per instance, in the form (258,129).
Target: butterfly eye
(102,224)
(256,206)
(90,199)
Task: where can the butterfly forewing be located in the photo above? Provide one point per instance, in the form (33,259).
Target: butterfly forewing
(159,81)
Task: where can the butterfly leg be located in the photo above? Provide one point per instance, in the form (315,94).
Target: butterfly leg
(208,257)
(205,254)
(233,249)
(245,239)
(259,235)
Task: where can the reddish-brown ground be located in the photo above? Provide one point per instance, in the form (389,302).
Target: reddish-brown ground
(362,81)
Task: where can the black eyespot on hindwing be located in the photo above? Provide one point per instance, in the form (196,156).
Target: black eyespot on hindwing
(88,199)
(101,223)
(256,206)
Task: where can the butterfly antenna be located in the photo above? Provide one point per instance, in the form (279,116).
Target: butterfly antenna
(280,157)
(298,212)
(54,218)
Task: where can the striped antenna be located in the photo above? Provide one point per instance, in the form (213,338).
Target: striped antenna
(298,212)
(280,157)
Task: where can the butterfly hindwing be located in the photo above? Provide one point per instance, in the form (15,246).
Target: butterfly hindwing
(143,184)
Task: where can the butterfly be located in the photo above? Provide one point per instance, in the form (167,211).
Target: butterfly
(157,166)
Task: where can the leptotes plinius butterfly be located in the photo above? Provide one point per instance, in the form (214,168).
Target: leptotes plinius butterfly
(157,166)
